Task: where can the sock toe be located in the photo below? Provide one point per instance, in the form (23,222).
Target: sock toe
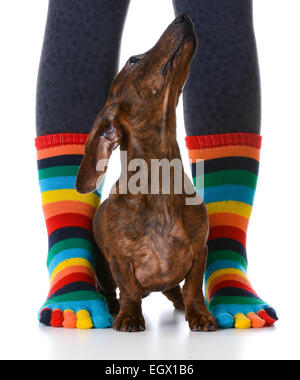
(225,321)
(242,322)
(102,319)
(70,319)
(57,318)
(263,315)
(256,321)
(84,321)
(45,317)
(271,313)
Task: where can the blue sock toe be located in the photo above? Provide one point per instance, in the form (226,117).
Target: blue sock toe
(225,321)
(102,322)
(101,317)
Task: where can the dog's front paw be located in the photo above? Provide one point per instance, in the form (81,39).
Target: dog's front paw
(201,322)
(129,323)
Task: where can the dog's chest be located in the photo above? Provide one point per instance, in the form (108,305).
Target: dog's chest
(162,257)
(157,242)
(160,271)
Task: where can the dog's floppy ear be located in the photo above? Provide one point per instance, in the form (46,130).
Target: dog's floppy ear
(103,139)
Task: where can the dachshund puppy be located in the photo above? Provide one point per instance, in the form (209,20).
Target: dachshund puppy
(148,241)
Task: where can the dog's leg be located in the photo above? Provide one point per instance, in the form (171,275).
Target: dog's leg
(175,296)
(130,317)
(106,285)
(197,314)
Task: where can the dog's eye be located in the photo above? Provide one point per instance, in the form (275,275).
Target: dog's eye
(134,60)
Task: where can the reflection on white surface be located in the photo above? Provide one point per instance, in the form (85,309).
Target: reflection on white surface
(167,337)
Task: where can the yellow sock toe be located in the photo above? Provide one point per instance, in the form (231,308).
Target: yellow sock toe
(242,322)
(84,321)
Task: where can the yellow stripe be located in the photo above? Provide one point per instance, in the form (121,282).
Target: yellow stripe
(69,263)
(70,195)
(222,272)
(232,207)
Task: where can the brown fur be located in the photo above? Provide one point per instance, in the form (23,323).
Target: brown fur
(148,242)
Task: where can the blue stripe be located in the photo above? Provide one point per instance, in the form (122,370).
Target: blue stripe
(72,253)
(57,183)
(226,264)
(229,193)
(236,309)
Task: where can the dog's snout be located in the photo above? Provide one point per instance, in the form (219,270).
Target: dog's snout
(181,19)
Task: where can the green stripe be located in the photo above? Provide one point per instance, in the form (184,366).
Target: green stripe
(79,296)
(222,300)
(69,244)
(226,255)
(227,177)
(59,171)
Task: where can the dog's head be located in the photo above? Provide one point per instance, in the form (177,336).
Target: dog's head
(146,89)
(148,78)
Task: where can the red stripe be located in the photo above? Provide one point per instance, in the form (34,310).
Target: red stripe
(227,139)
(74,277)
(226,232)
(58,139)
(230,284)
(68,220)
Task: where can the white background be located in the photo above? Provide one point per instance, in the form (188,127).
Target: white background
(273,242)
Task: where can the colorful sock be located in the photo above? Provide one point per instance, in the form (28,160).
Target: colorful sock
(231,164)
(73,300)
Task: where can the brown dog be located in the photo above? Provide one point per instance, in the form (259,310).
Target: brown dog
(148,242)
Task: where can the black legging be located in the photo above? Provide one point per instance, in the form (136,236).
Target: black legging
(80,59)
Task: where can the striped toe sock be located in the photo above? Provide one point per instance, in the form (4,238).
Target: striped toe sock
(69,218)
(228,184)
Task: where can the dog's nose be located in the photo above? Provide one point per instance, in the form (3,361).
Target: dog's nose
(180,19)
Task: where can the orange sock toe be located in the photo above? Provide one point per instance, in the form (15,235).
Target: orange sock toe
(70,319)
(256,321)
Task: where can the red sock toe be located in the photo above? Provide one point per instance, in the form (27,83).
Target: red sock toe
(57,318)
(269,321)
